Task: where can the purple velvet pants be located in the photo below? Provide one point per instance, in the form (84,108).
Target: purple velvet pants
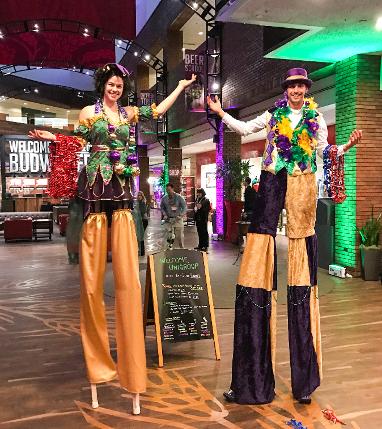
(253,380)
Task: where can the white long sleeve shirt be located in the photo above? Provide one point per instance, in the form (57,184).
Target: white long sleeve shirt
(245,128)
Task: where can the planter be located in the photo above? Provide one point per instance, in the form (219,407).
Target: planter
(370,262)
(233,214)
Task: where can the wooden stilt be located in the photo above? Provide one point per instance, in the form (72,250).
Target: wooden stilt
(136,404)
(93,388)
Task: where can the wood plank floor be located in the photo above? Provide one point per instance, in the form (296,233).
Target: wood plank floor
(43,383)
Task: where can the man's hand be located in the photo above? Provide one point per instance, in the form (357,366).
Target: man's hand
(214,105)
(355,138)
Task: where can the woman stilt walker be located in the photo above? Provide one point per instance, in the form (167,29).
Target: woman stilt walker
(106,187)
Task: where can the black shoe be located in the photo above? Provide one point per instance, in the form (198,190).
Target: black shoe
(229,396)
(204,249)
(305,400)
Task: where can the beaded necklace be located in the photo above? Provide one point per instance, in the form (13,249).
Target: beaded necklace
(115,155)
(334,174)
(294,145)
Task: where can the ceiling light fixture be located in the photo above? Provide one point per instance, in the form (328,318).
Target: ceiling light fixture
(36,90)
(195,5)
(378,25)
(200,33)
(147,57)
(215,86)
(135,54)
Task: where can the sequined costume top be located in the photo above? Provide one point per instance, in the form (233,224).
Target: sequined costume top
(109,172)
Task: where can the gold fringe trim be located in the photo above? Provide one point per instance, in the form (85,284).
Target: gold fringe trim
(155,111)
(273,328)
(135,118)
(315,326)
(89,122)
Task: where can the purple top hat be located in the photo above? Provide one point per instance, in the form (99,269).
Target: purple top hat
(296,75)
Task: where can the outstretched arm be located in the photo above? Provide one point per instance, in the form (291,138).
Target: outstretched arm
(322,139)
(170,100)
(42,135)
(241,127)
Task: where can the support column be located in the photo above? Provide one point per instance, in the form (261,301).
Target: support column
(228,147)
(173,56)
(142,80)
(358,105)
(174,161)
(143,163)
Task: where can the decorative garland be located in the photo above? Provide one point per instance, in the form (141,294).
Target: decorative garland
(294,145)
(334,173)
(329,415)
(63,162)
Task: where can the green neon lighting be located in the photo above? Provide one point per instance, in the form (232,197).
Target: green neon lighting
(148,132)
(345,229)
(166,167)
(178,130)
(331,44)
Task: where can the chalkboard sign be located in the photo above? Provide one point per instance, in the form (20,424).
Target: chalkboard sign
(178,295)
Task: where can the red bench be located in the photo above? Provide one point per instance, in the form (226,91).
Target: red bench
(18,229)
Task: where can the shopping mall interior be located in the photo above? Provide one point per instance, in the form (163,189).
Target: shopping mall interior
(216,302)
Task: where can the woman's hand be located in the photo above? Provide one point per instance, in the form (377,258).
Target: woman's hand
(214,105)
(185,83)
(42,135)
(355,138)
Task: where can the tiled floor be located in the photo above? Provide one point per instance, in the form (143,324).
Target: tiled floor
(43,382)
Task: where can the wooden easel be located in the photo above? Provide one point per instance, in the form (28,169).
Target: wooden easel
(151,310)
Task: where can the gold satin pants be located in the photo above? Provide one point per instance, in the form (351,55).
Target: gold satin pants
(131,366)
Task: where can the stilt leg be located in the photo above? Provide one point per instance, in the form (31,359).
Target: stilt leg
(93,388)
(136,404)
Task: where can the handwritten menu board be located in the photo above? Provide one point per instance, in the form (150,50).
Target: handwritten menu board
(184,311)
(178,293)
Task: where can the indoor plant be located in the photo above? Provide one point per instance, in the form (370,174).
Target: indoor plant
(233,171)
(370,248)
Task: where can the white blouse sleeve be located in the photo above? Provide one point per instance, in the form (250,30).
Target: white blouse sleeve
(244,128)
(322,138)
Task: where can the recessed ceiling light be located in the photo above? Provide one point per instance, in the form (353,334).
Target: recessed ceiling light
(135,54)
(68,111)
(378,25)
(36,90)
(200,33)
(147,57)
(47,108)
(25,104)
